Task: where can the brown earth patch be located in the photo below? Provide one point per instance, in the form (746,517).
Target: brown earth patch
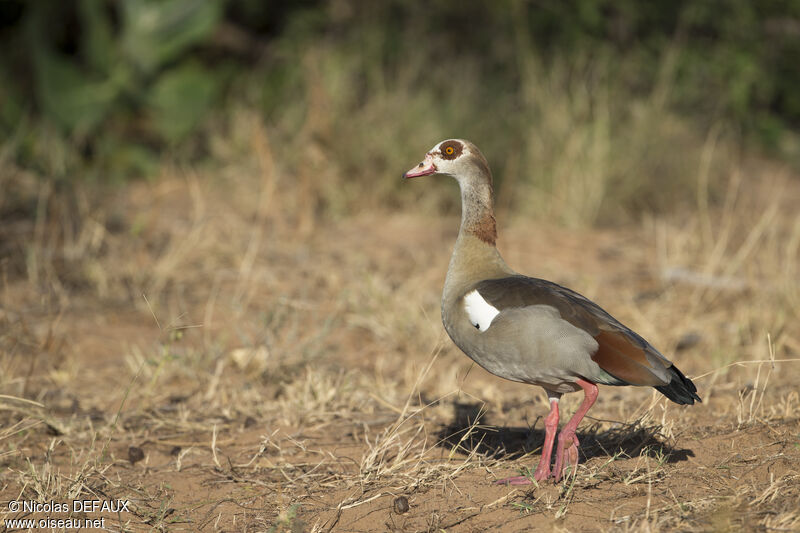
(282,379)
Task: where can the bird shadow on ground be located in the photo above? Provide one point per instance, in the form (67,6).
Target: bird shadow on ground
(469,432)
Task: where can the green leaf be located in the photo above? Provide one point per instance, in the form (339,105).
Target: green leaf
(97,43)
(155,32)
(180,99)
(69,97)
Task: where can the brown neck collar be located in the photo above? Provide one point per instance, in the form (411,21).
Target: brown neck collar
(477,214)
(485,229)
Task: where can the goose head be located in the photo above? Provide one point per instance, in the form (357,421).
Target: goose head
(453,157)
(463,161)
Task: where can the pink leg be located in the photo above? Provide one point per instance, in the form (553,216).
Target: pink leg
(567,436)
(550,426)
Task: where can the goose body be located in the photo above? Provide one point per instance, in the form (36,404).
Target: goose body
(531,330)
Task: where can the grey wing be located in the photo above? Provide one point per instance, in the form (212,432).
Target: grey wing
(620,351)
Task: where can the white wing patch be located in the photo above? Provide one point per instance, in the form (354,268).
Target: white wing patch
(480,312)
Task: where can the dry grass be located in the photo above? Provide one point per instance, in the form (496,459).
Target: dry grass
(286,371)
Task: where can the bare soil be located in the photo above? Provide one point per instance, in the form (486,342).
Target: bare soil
(222,363)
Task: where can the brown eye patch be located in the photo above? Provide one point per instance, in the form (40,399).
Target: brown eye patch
(451,149)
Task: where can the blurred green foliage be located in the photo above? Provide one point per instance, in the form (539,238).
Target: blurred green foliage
(122,82)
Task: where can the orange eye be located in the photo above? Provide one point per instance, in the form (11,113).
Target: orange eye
(449,150)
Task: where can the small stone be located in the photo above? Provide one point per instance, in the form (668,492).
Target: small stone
(688,340)
(401,505)
(135,454)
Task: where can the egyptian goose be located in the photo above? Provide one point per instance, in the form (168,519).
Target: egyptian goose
(531,330)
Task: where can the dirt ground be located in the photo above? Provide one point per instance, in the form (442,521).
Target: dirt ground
(221,361)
